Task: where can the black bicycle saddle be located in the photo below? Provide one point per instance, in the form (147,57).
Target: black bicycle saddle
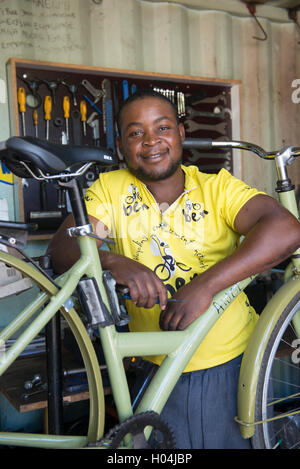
(50,158)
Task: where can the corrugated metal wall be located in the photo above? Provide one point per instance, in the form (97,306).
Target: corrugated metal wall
(172,37)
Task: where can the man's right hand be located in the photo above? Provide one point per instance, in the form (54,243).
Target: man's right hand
(143,284)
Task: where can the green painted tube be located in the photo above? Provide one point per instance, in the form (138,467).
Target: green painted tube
(42,441)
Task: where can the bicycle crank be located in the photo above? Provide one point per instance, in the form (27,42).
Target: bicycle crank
(161,437)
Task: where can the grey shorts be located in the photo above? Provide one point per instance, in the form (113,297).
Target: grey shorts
(201,409)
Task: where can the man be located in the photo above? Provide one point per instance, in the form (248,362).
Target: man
(177,234)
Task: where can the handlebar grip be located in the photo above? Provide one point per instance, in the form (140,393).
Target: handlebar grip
(201,143)
(18,225)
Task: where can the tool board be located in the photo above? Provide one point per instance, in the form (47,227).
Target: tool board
(77,104)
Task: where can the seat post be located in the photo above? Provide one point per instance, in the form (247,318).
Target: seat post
(77,201)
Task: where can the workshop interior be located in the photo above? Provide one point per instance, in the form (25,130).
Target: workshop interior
(75,100)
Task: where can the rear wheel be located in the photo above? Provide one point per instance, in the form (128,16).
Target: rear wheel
(278,389)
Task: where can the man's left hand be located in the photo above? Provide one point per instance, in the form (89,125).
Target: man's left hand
(195,299)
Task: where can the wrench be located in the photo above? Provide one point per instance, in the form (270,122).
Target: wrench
(218,113)
(94,124)
(225,165)
(97,94)
(213,99)
(193,126)
(33,393)
(218,156)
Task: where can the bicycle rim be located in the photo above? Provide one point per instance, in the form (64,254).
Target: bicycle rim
(94,379)
(278,389)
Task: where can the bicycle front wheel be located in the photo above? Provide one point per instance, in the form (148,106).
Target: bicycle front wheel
(45,290)
(278,390)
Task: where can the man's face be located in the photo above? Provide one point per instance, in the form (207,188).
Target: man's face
(151,139)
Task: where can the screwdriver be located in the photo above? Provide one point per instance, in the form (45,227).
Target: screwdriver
(35,121)
(83,115)
(66,108)
(47,109)
(22,104)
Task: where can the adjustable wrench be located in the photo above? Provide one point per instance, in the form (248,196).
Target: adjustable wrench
(219,113)
(97,94)
(192,126)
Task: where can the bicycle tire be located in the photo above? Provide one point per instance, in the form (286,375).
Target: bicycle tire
(95,387)
(278,385)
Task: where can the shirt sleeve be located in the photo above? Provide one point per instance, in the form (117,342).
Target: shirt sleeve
(234,195)
(98,203)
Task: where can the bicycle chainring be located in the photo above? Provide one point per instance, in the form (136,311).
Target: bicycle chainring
(135,426)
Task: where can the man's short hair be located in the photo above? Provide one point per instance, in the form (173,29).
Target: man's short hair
(141,94)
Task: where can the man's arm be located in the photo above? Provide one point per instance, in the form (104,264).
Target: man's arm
(271,235)
(144,285)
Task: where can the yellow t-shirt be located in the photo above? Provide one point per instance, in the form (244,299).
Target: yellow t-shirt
(191,235)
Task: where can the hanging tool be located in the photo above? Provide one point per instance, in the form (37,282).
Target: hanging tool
(213,167)
(92,104)
(93,122)
(108,123)
(83,115)
(75,119)
(197,156)
(33,100)
(125,89)
(22,107)
(133,88)
(195,99)
(180,104)
(72,88)
(35,121)
(52,85)
(66,108)
(97,94)
(218,113)
(192,126)
(47,109)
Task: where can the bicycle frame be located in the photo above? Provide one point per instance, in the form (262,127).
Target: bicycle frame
(178,346)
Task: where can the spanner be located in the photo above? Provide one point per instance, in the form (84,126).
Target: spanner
(217,156)
(219,114)
(212,99)
(97,94)
(94,124)
(193,126)
(225,165)
(39,390)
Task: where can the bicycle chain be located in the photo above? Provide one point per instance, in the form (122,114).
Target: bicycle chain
(135,426)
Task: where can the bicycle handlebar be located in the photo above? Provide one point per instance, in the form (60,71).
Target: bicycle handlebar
(209,144)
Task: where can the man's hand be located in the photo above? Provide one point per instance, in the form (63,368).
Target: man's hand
(144,285)
(195,298)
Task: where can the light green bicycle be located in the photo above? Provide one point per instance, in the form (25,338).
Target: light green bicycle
(268,410)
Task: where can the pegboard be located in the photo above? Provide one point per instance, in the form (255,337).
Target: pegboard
(207,108)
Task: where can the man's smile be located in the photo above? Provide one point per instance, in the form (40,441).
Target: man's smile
(154,156)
